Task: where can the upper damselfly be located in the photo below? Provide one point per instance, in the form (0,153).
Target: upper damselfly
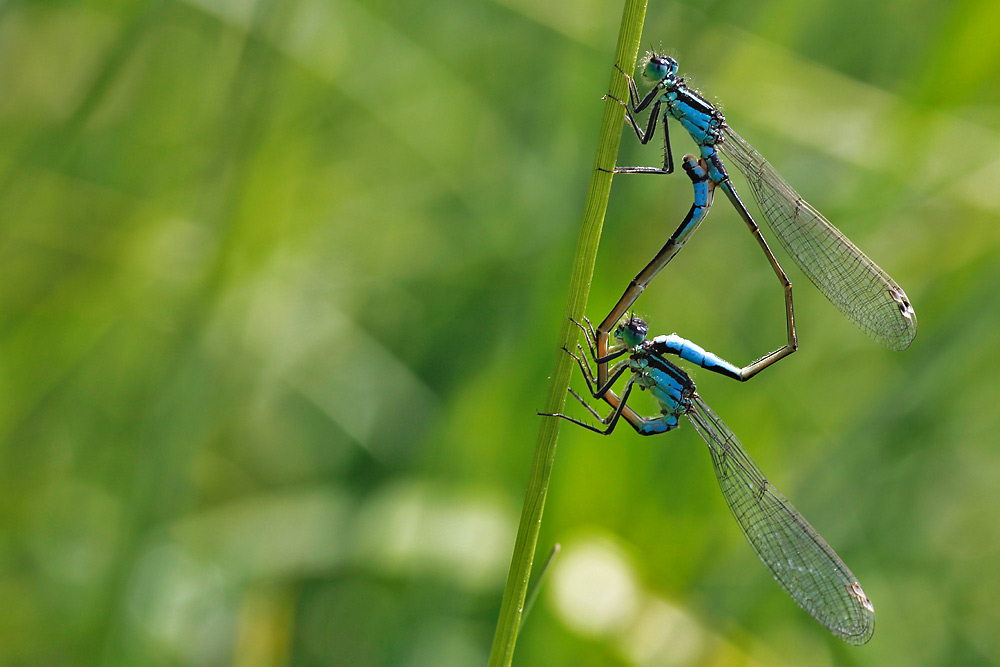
(801,561)
(838,268)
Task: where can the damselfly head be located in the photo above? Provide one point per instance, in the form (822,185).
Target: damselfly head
(659,66)
(631,331)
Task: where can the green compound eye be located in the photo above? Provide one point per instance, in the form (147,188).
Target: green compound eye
(632,331)
(660,67)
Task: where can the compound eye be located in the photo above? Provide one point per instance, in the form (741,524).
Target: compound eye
(632,331)
(660,67)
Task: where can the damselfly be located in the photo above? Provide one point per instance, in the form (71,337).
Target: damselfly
(838,268)
(800,560)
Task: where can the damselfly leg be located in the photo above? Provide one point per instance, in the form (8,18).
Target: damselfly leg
(861,290)
(799,559)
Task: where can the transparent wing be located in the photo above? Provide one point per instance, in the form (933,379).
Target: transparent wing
(801,561)
(838,268)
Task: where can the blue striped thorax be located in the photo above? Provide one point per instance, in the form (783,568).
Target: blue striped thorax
(698,116)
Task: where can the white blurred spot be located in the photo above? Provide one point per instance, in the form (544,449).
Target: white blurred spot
(662,634)
(270,535)
(414,528)
(593,587)
(185,604)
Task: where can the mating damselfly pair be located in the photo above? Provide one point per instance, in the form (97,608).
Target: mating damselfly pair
(801,561)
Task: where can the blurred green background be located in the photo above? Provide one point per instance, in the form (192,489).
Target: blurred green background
(280,286)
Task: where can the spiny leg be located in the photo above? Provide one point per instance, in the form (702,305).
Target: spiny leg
(646,135)
(610,421)
(598,391)
(642,425)
(633,90)
(590,334)
(587,405)
(791,342)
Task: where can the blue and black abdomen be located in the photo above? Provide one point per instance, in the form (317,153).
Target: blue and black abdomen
(696,354)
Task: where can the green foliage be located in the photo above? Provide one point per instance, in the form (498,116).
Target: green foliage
(282,284)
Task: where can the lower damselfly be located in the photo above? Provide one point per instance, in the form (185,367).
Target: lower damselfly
(861,290)
(801,561)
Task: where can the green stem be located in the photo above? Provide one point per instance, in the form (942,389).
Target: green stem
(576,303)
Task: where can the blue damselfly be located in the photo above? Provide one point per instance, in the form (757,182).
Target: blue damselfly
(838,268)
(800,560)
